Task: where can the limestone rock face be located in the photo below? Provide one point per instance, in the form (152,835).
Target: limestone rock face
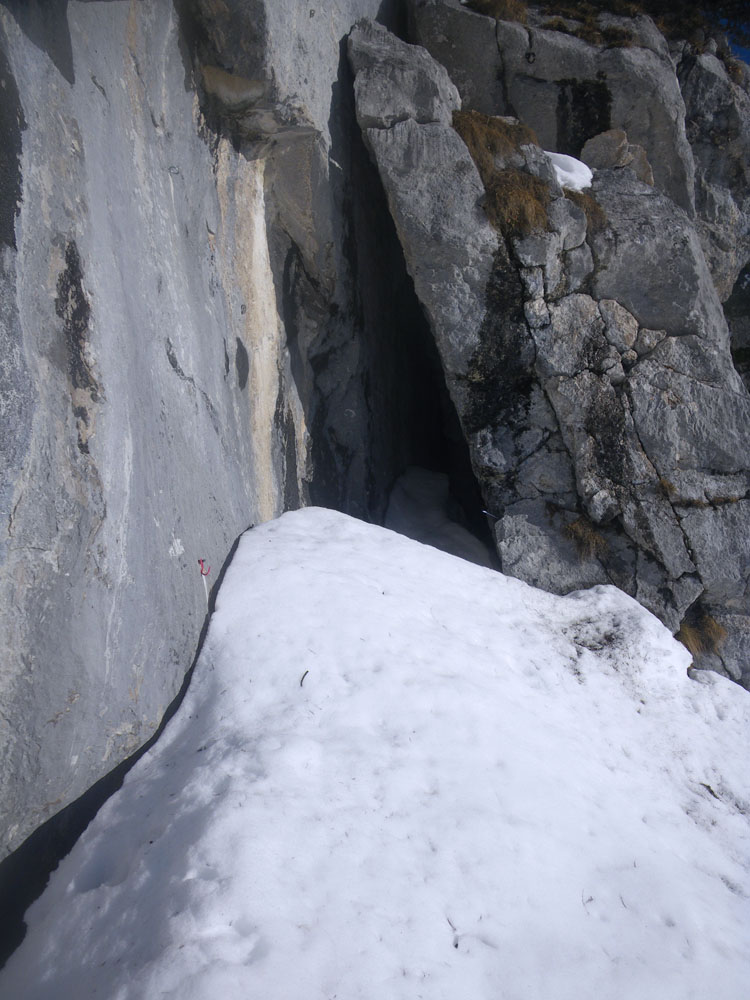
(608,428)
(145,437)
(172,213)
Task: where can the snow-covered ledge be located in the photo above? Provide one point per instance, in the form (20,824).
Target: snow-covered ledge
(397,773)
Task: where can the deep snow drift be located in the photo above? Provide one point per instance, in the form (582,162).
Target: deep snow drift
(399,775)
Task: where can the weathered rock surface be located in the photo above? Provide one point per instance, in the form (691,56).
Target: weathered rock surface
(566,89)
(608,428)
(187,334)
(737,312)
(145,438)
(650,259)
(718,129)
(408,85)
(611,149)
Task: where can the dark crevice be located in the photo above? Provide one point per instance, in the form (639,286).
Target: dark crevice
(242,364)
(501,373)
(737,312)
(12,124)
(583,111)
(363,358)
(407,393)
(72,306)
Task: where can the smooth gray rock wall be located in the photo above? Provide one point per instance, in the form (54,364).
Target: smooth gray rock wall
(176,267)
(146,382)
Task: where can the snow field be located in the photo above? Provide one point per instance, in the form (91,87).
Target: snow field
(397,774)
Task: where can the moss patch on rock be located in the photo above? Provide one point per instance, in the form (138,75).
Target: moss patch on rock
(700,633)
(588,541)
(516,203)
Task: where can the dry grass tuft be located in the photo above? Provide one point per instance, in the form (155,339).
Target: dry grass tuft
(682,18)
(589,543)
(491,138)
(735,70)
(516,203)
(503,10)
(588,31)
(596,217)
(616,38)
(701,634)
(667,487)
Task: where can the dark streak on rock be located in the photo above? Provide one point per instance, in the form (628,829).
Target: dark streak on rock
(12,124)
(292,500)
(242,364)
(500,374)
(605,424)
(172,358)
(72,306)
(584,110)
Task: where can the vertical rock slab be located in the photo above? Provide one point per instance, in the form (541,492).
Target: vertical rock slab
(404,103)
(143,374)
(718,129)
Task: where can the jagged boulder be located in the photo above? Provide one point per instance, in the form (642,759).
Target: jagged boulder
(611,149)
(593,379)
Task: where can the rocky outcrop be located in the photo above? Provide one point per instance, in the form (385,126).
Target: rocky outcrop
(593,377)
(567,89)
(690,128)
